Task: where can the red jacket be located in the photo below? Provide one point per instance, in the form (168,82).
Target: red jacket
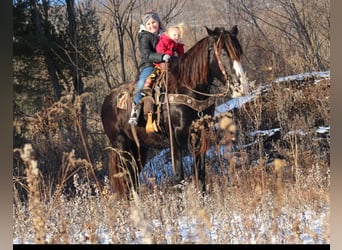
(166,45)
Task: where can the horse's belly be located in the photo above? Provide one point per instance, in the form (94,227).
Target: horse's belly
(152,140)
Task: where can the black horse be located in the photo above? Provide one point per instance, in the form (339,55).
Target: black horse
(186,93)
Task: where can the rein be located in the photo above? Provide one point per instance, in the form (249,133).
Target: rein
(208,94)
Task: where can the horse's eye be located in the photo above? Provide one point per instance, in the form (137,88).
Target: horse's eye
(224,53)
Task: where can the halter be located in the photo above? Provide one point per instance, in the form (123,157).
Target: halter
(223,71)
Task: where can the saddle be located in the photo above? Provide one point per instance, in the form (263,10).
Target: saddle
(151,101)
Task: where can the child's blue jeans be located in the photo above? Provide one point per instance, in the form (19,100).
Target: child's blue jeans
(140,84)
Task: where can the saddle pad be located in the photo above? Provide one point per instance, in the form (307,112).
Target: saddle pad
(122,100)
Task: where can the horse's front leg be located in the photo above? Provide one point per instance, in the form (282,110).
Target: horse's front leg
(177,165)
(200,166)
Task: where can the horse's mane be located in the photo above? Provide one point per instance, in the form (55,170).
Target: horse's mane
(192,68)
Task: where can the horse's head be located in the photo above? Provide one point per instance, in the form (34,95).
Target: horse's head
(225,60)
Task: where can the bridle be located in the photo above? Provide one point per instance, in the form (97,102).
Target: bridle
(223,71)
(218,58)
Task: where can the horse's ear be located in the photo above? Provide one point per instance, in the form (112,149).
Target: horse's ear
(209,31)
(234,31)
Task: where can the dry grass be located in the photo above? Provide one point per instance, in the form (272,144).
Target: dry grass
(259,211)
(277,191)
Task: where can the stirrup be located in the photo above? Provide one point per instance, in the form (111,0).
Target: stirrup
(150,126)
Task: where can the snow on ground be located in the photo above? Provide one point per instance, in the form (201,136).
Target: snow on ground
(192,230)
(239,101)
(316,75)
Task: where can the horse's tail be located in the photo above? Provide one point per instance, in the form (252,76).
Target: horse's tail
(117,178)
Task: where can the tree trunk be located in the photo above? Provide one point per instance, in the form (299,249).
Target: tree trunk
(77,78)
(44,43)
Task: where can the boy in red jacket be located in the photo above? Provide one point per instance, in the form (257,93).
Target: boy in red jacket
(169,43)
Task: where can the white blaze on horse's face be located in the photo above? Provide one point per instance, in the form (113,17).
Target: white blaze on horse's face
(243,79)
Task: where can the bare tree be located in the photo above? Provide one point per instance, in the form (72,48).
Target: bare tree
(120,12)
(309,29)
(282,36)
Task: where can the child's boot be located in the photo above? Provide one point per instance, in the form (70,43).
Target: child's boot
(136,108)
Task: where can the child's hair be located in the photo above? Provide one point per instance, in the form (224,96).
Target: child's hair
(177,26)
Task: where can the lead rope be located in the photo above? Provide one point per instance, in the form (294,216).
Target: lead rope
(169,118)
